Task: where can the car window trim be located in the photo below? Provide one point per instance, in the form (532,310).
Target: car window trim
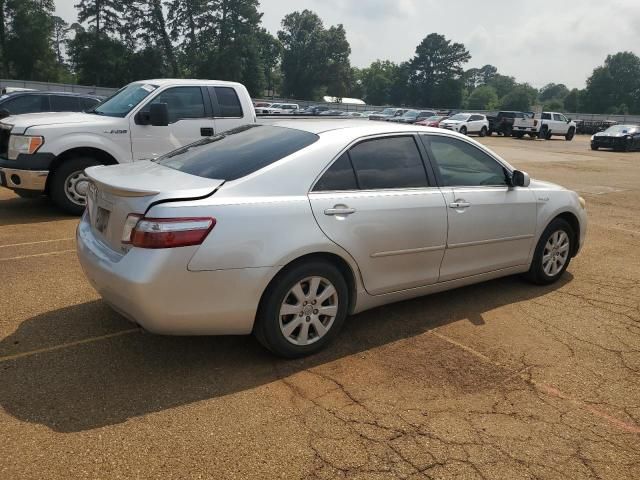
(430,179)
(431,156)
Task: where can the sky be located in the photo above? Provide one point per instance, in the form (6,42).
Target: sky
(559,41)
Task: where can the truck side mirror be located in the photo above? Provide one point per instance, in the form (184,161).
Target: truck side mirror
(159,114)
(520,179)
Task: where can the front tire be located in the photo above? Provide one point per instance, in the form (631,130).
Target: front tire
(303,309)
(483,132)
(553,253)
(69,184)
(463,130)
(570,134)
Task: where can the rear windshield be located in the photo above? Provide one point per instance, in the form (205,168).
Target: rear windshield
(238,152)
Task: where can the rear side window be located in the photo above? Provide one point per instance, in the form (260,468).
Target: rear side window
(27,104)
(237,152)
(228,102)
(64,103)
(546,116)
(340,176)
(389,162)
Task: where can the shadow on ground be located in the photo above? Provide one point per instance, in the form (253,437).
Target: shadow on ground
(19,211)
(106,382)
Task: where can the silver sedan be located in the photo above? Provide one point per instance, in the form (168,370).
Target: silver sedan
(283,230)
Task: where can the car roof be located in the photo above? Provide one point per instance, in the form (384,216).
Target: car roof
(187,81)
(363,127)
(50,92)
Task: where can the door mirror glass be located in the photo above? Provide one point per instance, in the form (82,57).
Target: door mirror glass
(520,179)
(159,114)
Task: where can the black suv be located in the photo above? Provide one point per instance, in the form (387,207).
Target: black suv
(16,103)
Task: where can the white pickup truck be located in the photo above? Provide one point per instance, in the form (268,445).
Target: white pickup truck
(46,153)
(546,126)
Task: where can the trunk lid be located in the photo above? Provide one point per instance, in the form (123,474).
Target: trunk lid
(119,190)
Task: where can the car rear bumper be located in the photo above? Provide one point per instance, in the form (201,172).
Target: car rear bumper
(154,288)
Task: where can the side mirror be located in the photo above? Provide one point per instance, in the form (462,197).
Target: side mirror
(569,121)
(159,114)
(520,179)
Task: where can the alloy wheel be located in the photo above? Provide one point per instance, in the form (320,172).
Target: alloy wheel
(308,311)
(556,253)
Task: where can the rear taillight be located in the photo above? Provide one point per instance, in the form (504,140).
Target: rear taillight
(169,232)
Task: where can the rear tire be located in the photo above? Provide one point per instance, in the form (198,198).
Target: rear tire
(519,134)
(483,132)
(300,292)
(553,253)
(69,184)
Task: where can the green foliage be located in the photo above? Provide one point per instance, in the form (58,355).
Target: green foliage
(553,91)
(615,86)
(436,71)
(483,98)
(519,98)
(572,101)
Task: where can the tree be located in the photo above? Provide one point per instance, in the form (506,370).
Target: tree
(615,86)
(483,98)
(377,81)
(502,84)
(59,37)
(108,68)
(572,101)
(314,59)
(553,91)
(436,66)
(518,99)
(270,50)
(104,15)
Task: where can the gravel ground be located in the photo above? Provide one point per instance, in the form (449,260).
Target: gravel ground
(500,380)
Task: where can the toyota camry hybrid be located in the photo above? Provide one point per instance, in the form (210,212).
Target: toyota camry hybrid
(284,230)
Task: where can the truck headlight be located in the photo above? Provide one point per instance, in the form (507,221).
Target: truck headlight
(23,144)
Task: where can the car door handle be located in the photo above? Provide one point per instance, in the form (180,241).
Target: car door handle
(459,204)
(206,132)
(339,211)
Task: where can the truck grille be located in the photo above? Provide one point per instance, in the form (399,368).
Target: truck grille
(5,133)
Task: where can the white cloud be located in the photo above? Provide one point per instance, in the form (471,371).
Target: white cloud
(545,41)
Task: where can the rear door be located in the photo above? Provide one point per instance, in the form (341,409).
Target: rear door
(377,203)
(190,119)
(227,108)
(491,224)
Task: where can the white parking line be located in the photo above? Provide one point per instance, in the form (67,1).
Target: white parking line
(8,358)
(37,255)
(36,243)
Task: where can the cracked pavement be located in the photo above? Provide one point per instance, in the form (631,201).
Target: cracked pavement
(501,380)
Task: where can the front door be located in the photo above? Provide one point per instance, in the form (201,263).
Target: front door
(189,120)
(376,203)
(491,224)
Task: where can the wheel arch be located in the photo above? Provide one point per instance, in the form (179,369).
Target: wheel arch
(100,155)
(573,221)
(340,263)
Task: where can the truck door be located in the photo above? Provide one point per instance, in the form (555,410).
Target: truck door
(227,109)
(190,119)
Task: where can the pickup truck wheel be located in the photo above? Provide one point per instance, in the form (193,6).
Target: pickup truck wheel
(519,134)
(69,185)
(545,134)
(507,131)
(570,134)
(483,132)
(489,133)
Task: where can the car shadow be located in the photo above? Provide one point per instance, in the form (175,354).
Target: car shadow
(19,211)
(90,385)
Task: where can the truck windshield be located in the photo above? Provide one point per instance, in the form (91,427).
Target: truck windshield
(124,100)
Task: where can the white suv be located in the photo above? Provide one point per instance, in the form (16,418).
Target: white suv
(280,109)
(466,123)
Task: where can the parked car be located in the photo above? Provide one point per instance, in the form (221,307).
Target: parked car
(313,110)
(387,113)
(356,114)
(33,101)
(433,121)
(48,153)
(502,122)
(548,125)
(267,228)
(412,116)
(279,109)
(624,138)
(262,104)
(333,113)
(466,123)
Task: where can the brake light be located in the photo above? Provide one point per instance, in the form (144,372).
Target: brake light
(170,232)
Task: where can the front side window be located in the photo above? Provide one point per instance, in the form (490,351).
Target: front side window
(182,102)
(26,104)
(237,152)
(389,162)
(124,100)
(460,164)
(559,118)
(229,102)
